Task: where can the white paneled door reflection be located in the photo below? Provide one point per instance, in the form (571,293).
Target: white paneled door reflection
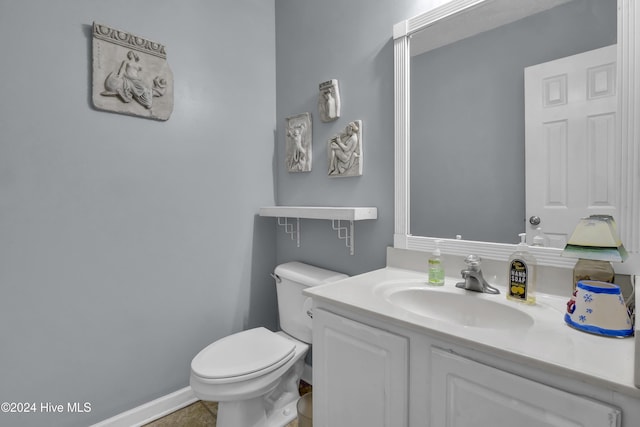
(570,141)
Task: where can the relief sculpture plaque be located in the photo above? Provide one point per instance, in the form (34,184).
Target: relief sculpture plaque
(130,74)
(345,151)
(299,143)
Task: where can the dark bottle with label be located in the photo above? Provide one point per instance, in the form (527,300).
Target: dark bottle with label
(521,278)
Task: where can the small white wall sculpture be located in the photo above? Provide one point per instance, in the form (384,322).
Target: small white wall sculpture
(345,151)
(130,74)
(299,141)
(329,101)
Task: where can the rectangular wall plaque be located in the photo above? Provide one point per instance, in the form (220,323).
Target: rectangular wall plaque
(130,74)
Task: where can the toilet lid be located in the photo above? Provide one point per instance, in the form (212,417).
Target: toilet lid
(244,353)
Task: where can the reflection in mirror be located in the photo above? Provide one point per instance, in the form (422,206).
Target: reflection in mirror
(467,124)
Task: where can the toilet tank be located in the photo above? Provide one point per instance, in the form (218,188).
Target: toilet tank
(293,307)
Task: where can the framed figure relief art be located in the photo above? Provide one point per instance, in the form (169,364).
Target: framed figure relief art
(345,151)
(130,74)
(329,101)
(298,143)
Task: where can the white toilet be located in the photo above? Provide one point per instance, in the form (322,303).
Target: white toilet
(254,374)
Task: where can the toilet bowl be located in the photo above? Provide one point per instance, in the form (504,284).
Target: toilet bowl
(254,374)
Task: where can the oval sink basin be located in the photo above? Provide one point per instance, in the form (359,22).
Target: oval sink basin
(466,309)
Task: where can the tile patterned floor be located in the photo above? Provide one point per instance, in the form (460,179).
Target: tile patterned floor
(203,414)
(198,414)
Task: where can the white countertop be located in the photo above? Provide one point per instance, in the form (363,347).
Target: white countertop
(548,344)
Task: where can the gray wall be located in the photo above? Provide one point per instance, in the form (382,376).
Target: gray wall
(467,127)
(130,244)
(350,41)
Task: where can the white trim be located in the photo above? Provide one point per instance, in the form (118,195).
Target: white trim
(628,128)
(628,106)
(488,250)
(401,131)
(151,411)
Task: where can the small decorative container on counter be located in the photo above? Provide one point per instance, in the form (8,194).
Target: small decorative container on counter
(599,308)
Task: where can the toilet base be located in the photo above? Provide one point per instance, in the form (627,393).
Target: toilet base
(276,409)
(251,413)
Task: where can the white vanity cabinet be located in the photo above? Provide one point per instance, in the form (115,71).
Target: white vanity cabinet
(360,374)
(465,393)
(371,372)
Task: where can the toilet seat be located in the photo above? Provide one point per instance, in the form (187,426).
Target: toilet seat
(242,356)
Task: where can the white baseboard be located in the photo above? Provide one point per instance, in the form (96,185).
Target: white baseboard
(151,411)
(165,405)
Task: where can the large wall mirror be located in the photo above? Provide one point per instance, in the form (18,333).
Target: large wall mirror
(460,121)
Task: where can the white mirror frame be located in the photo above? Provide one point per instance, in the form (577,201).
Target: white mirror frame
(628,128)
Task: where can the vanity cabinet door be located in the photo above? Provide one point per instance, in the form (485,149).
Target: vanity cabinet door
(465,393)
(360,374)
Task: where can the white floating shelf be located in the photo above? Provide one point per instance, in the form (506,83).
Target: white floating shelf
(320,212)
(335,214)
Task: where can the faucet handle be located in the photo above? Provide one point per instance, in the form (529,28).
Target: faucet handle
(473,260)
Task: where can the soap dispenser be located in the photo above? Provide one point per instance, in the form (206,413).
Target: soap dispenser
(539,239)
(521,277)
(436,268)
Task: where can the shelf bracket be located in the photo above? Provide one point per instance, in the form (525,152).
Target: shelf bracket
(344,233)
(292,230)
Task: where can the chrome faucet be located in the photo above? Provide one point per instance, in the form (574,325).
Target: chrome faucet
(472,275)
